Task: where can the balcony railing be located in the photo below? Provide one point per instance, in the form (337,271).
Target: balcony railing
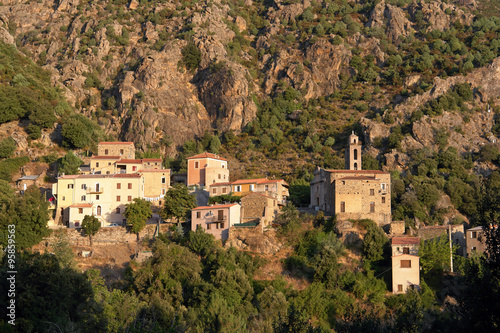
(94,190)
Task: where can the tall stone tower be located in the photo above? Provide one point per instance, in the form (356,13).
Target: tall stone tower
(353,153)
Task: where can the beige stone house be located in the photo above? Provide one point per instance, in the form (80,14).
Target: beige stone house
(216,219)
(206,169)
(115,164)
(476,240)
(353,193)
(125,150)
(257,207)
(405,264)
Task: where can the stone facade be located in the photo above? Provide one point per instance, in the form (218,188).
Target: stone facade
(475,239)
(457,235)
(276,188)
(405,264)
(122,149)
(353,194)
(260,208)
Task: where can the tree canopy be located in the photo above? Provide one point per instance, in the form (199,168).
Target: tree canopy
(69,164)
(90,226)
(137,213)
(178,203)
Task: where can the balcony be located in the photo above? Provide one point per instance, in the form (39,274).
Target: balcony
(94,190)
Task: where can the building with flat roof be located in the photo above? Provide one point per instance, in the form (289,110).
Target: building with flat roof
(216,219)
(206,169)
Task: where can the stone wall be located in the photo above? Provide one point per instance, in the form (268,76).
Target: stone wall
(107,235)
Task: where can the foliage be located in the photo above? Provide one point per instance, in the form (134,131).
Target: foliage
(224,198)
(191,56)
(90,226)
(80,132)
(10,166)
(28,213)
(435,257)
(7,147)
(178,203)
(200,242)
(62,250)
(374,242)
(70,164)
(137,213)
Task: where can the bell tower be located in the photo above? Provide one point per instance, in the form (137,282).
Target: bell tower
(353,153)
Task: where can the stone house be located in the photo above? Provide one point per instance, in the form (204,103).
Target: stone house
(476,240)
(115,164)
(353,193)
(24,182)
(405,264)
(257,207)
(125,150)
(206,169)
(216,219)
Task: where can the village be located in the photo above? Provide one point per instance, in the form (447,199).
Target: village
(114,178)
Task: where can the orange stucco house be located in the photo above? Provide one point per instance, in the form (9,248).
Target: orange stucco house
(205,169)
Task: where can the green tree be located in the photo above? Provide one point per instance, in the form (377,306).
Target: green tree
(137,214)
(62,250)
(7,147)
(191,56)
(374,242)
(178,203)
(28,213)
(69,164)
(80,132)
(200,242)
(215,144)
(90,226)
(435,257)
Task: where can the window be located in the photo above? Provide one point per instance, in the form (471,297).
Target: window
(473,234)
(198,215)
(109,163)
(208,226)
(372,191)
(355,166)
(400,288)
(342,207)
(118,186)
(117,210)
(84,186)
(266,187)
(134,168)
(355,154)
(163,191)
(97,165)
(214,191)
(83,198)
(70,185)
(223,165)
(121,151)
(77,224)
(383,199)
(163,180)
(105,152)
(107,172)
(80,210)
(382,186)
(196,165)
(97,197)
(237,188)
(252,187)
(223,190)
(118,198)
(129,198)
(405,264)
(219,175)
(220,214)
(372,207)
(129,186)
(98,210)
(406,250)
(222,225)
(473,248)
(64,198)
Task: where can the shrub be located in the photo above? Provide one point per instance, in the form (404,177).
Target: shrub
(191,56)
(7,147)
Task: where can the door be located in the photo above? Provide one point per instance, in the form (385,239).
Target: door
(98,210)
(97,187)
(220,215)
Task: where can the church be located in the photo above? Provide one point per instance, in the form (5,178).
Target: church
(353,193)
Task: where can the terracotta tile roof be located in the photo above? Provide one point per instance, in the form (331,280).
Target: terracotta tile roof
(116,143)
(268,181)
(129,161)
(358,171)
(357,178)
(105,157)
(207,155)
(81,205)
(152,160)
(215,206)
(126,175)
(405,241)
(221,184)
(248,181)
(154,170)
(82,176)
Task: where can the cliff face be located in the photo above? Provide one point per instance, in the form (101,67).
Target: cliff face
(123,62)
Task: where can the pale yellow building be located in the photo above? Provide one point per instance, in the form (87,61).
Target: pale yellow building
(405,264)
(103,196)
(124,150)
(206,169)
(353,193)
(156,184)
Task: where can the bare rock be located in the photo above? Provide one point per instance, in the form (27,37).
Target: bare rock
(6,37)
(392,18)
(240,23)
